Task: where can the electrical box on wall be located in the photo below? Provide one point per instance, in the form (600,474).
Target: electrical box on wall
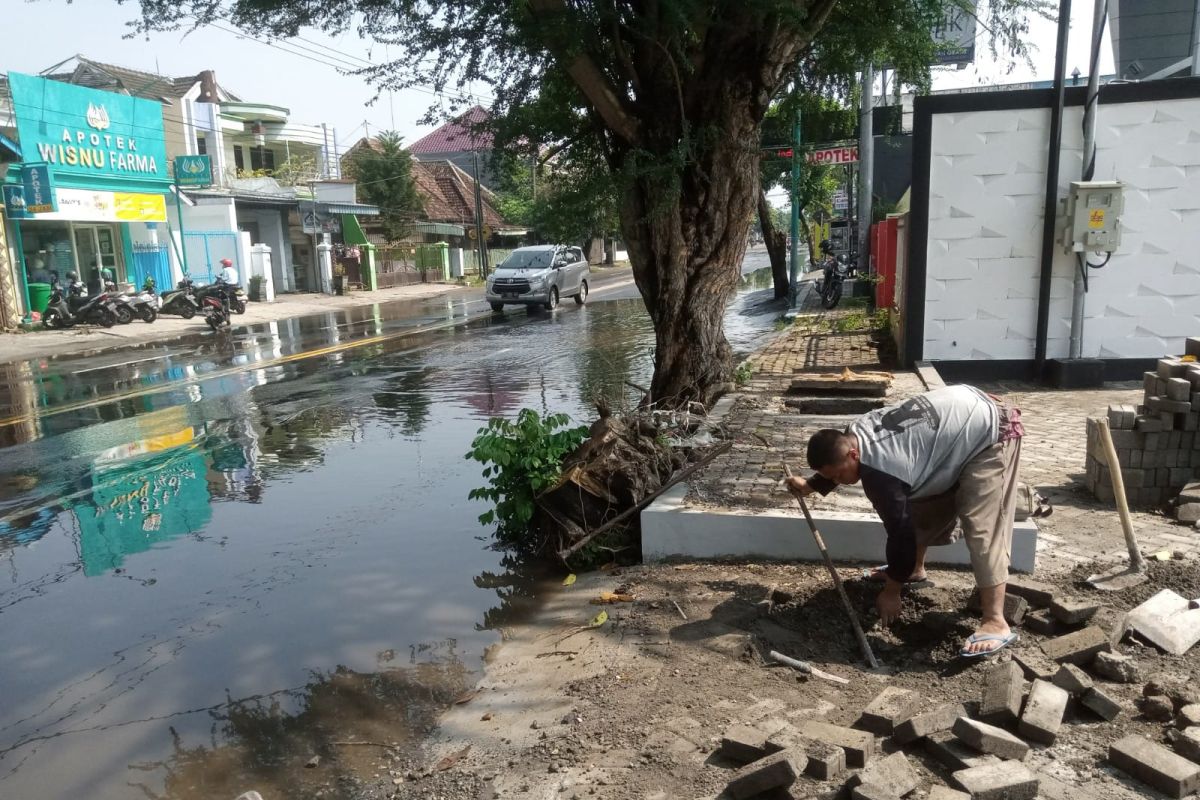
(1094,216)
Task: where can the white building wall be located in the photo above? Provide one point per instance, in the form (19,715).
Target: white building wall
(987,187)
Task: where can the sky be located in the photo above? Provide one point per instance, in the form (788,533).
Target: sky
(312,82)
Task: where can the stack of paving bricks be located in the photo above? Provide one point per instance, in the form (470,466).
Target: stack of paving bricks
(1158,442)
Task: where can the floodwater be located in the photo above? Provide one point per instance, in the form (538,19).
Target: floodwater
(218,558)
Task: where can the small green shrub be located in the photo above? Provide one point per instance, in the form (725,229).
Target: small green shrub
(742,375)
(520,459)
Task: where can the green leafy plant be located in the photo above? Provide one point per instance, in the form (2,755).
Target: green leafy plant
(521,458)
(742,375)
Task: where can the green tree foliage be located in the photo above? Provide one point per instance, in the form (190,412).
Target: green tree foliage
(385,179)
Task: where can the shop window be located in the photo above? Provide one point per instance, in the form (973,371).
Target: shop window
(47,249)
(262,158)
(239,160)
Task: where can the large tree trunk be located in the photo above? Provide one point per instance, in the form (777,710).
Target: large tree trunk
(776,242)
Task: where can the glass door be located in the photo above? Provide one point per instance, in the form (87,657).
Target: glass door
(87,257)
(110,259)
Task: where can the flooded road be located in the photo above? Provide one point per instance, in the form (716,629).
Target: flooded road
(221,556)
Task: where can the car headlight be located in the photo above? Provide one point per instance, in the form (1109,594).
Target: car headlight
(538,282)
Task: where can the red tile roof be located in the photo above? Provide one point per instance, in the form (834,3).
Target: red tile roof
(456,136)
(448,195)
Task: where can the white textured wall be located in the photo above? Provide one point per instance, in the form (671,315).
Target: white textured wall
(987,186)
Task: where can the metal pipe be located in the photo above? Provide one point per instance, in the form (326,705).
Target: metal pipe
(1051,205)
(1090,112)
(1196,40)
(866,165)
(794,271)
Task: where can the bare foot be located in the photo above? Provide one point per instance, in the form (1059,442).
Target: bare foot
(990,636)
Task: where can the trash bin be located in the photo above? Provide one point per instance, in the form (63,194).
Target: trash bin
(39,296)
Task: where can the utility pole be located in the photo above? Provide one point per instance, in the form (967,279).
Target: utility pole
(866,164)
(794,271)
(1090,109)
(1196,40)
(483,265)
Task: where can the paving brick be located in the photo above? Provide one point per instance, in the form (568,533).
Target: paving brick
(872,791)
(826,762)
(1178,389)
(1015,607)
(859,745)
(1036,593)
(1116,667)
(1072,679)
(935,721)
(1007,780)
(948,750)
(1042,623)
(946,793)
(893,772)
(1101,704)
(889,708)
(1034,664)
(1192,346)
(990,739)
(1171,368)
(1074,612)
(1043,714)
(743,744)
(773,771)
(1186,742)
(1003,687)
(1155,765)
(1147,424)
(1079,647)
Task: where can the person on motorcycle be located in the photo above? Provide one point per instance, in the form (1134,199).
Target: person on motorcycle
(227,279)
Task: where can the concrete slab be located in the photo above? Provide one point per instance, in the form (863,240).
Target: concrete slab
(673,529)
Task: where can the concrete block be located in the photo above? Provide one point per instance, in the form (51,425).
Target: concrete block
(1147,424)
(1003,687)
(771,772)
(1188,421)
(1077,648)
(931,722)
(946,793)
(743,744)
(1116,667)
(1186,742)
(859,745)
(1160,386)
(826,762)
(672,528)
(1074,612)
(1179,389)
(1174,406)
(989,739)
(1043,624)
(1007,780)
(1036,593)
(1129,438)
(1189,716)
(872,791)
(1188,512)
(1154,440)
(948,750)
(1034,664)
(1015,607)
(1171,368)
(888,709)
(1179,476)
(1154,403)
(1072,679)
(1099,703)
(1155,765)
(1192,346)
(1149,384)
(893,772)
(1043,714)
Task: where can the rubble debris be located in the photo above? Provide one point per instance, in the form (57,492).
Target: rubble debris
(1189,716)
(1003,687)
(1116,667)
(1077,648)
(1036,593)
(1042,623)
(890,707)
(893,772)
(1073,679)
(872,791)
(1155,765)
(1166,621)
(931,722)
(771,772)
(990,739)
(1100,704)
(1005,780)
(1043,714)
(1073,612)
(859,745)
(1188,513)
(1186,742)
(948,750)
(1158,708)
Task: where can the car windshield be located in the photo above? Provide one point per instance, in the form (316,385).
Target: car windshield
(527,259)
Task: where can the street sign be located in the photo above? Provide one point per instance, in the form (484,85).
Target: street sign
(954,35)
(315,222)
(193,171)
(841,200)
(39,189)
(14,202)
(847,154)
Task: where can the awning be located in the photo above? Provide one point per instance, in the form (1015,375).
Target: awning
(360,209)
(352,232)
(439,228)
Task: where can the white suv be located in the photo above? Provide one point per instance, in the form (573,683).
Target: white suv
(540,275)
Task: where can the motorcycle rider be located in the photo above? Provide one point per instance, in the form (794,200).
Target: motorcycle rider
(227,279)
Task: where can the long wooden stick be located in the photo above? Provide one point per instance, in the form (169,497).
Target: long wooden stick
(1118,482)
(645,501)
(837,579)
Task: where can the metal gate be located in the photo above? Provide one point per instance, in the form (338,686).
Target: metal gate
(205,250)
(150,261)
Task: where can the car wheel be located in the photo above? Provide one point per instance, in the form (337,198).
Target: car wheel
(552,303)
(497,307)
(581,298)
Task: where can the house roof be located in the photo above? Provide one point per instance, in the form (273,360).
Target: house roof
(83,71)
(448,195)
(456,135)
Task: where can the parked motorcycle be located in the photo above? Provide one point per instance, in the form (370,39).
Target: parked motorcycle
(216,314)
(181,300)
(143,306)
(73,307)
(235,295)
(837,269)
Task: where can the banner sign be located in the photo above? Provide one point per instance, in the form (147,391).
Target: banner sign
(82,205)
(954,36)
(14,202)
(833,155)
(39,189)
(193,171)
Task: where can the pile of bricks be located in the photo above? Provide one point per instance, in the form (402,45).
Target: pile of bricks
(1158,442)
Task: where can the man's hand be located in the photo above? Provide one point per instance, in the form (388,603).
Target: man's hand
(888,602)
(799,486)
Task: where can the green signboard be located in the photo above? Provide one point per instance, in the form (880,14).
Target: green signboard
(39,189)
(90,139)
(194,171)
